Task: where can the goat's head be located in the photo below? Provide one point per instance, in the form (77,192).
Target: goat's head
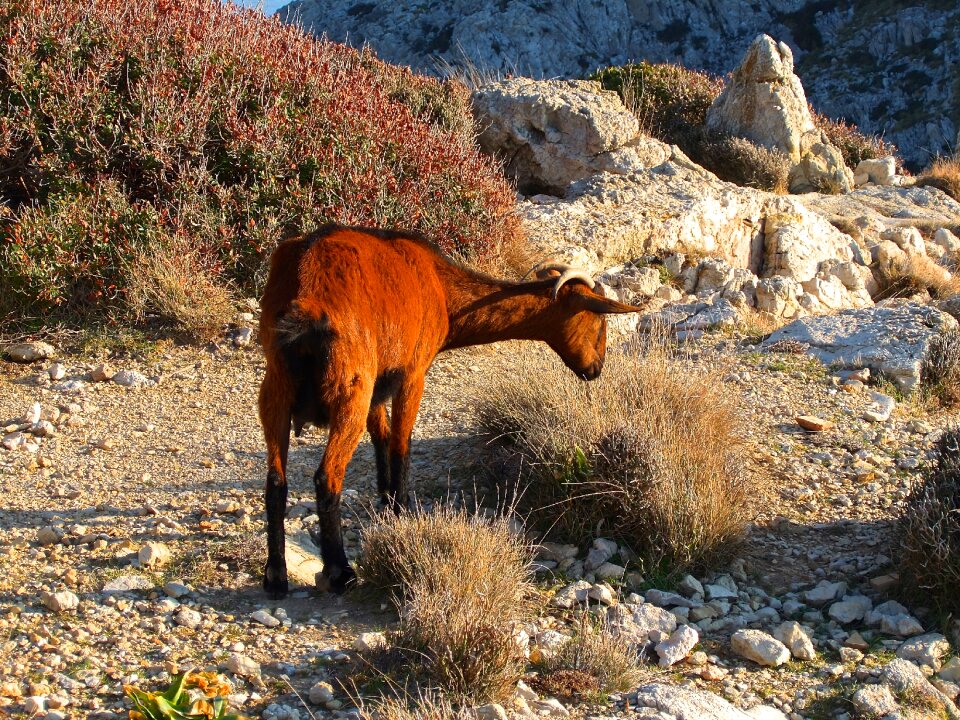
(579,332)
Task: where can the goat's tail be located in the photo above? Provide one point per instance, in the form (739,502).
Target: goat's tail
(305,344)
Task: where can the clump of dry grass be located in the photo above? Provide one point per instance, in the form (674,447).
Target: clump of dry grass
(461,582)
(745,163)
(757,325)
(653,453)
(593,663)
(929,532)
(427,707)
(915,273)
(943,174)
(941,368)
(217,563)
(172,281)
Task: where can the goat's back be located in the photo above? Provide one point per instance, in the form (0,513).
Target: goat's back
(377,292)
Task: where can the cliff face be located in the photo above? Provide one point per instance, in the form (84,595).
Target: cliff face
(889,66)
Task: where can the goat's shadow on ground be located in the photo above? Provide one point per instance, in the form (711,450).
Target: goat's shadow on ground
(787,554)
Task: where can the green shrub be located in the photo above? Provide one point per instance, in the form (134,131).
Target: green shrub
(670,101)
(652,453)
(929,532)
(593,663)
(196,122)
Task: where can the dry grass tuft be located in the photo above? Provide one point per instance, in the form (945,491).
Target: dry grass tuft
(743,162)
(916,273)
(652,452)
(943,174)
(757,325)
(461,582)
(172,281)
(929,532)
(218,562)
(941,368)
(427,707)
(594,663)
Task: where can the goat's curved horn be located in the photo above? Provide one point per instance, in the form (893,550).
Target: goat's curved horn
(572,274)
(545,266)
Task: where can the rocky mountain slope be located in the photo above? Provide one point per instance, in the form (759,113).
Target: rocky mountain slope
(888,66)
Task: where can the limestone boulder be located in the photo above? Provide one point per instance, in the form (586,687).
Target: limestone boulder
(780,297)
(881,171)
(553,132)
(821,167)
(673,207)
(797,241)
(863,337)
(764,101)
(636,623)
(684,703)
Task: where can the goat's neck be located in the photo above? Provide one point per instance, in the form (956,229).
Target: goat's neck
(484,311)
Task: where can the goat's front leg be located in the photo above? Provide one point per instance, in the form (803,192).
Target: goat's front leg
(274,407)
(403,415)
(345,432)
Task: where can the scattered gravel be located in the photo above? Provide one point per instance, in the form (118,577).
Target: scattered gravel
(131,540)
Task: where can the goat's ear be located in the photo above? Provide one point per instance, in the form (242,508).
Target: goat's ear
(604,306)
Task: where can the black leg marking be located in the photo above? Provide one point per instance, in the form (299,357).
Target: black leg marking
(275,572)
(383,466)
(335,566)
(399,495)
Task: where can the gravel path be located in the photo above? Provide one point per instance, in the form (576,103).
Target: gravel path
(180,462)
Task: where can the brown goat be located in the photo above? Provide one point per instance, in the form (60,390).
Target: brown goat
(354,317)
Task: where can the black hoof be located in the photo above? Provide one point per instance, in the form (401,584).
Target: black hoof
(339,580)
(275,584)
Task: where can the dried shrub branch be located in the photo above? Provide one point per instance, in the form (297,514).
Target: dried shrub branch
(929,532)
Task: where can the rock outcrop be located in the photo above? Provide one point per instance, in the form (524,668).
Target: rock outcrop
(617,199)
(764,102)
(886,71)
(554,132)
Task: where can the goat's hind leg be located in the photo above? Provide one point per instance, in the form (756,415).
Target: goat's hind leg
(275,412)
(346,428)
(403,414)
(378,425)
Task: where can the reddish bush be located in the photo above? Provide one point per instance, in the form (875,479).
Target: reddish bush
(197,123)
(852,143)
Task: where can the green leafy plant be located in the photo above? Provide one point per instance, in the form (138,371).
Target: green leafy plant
(208,702)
